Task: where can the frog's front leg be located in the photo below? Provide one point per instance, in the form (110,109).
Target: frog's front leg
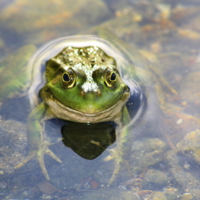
(35,133)
(119,153)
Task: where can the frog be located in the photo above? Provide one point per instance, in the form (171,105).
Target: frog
(89,79)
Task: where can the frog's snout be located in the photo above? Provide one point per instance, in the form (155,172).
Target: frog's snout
(95,93)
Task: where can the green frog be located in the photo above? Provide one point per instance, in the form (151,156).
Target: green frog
(86,79)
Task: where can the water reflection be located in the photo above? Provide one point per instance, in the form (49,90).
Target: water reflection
(88,140)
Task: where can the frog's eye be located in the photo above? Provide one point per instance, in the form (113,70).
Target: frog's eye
(110,79)
(68,79)
(113,76)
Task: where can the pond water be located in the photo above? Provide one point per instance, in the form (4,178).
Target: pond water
(159,154)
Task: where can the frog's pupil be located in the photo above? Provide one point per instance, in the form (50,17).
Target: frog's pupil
(66,77)
(113,77)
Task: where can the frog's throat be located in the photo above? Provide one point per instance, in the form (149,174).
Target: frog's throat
(111,114)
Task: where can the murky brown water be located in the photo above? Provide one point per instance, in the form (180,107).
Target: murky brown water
(164,166)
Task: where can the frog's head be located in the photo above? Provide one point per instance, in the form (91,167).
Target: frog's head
(85,79)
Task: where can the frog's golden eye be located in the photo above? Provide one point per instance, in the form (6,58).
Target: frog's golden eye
(110,79)
(68,79)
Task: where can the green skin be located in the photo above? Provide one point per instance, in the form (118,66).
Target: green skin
(65,78)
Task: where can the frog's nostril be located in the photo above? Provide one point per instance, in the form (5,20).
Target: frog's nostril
(82,93)
(98,92)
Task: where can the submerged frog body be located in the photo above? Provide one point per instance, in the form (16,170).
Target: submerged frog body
(83,83)
(87,80)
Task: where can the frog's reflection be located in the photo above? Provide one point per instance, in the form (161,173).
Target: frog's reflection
(88,140)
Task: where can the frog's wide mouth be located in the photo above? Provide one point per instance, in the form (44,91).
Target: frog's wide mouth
(121,101)
(67,113)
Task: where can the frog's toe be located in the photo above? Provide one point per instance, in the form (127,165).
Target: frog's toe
(39,154)
(117,157)
(42,165)
(115,173)
(29,157)
(40,157)
(50,153)
(45,149)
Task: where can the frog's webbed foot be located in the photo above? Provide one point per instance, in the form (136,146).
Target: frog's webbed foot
(117,157)
(39,154)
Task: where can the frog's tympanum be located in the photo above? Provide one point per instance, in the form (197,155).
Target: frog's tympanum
(82,79)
